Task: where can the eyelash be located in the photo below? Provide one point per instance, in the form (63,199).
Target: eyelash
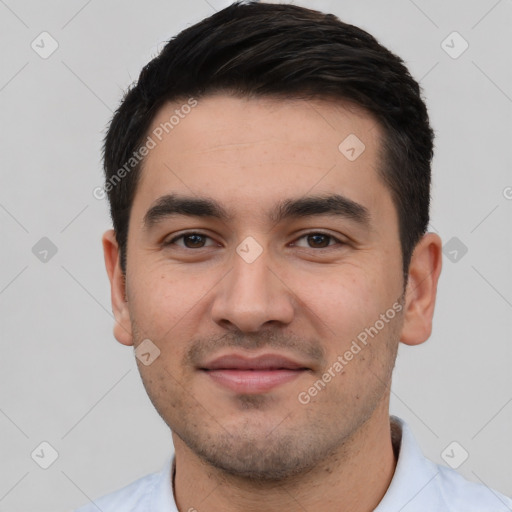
(189,233)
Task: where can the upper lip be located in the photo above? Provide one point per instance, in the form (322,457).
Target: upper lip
(262,362)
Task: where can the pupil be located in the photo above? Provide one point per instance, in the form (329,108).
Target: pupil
(196,237)
(316,237)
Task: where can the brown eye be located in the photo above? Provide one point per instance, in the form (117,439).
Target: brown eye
(318,240)
(193,241)
(190,241)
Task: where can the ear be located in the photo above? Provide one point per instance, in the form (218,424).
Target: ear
(122,326)
(420,295)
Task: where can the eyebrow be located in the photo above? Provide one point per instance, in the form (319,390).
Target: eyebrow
(172,205)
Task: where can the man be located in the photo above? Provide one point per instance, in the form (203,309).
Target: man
(269,183)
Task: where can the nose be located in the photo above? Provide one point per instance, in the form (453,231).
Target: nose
(253,295)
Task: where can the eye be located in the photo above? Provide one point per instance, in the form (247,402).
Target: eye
(318,240)
(191,240)
(196,240)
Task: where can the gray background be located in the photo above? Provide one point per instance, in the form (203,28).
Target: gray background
(66,381)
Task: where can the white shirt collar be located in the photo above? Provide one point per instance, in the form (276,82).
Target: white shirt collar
(413,475)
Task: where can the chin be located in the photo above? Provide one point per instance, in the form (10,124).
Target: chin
(259,453)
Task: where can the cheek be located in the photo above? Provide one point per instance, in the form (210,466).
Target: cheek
(163,386)
(162,300)
(345,299)
(165,309)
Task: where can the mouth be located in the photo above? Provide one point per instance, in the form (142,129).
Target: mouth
(254,375)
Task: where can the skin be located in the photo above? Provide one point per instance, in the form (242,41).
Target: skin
(297,298)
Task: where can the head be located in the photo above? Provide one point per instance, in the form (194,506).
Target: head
(269,184)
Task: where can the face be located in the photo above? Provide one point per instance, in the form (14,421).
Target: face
(275,307)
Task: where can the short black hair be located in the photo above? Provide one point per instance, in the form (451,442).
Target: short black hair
(280,51)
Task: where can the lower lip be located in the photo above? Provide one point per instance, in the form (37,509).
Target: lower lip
(253,381)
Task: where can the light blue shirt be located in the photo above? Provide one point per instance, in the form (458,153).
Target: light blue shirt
(418,485)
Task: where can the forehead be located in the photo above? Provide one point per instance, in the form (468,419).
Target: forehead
(249,150)
(225,123)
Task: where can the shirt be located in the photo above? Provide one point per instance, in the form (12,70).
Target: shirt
(418,485)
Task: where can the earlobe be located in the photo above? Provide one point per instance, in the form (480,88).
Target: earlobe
(122,326)
(420,296)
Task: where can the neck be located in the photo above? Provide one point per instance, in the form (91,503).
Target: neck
(355,478)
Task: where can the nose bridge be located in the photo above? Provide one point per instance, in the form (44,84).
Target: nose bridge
(251,271)
(251,294)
